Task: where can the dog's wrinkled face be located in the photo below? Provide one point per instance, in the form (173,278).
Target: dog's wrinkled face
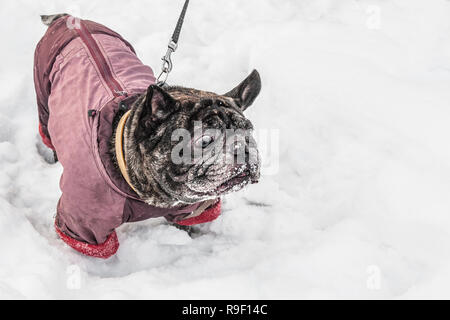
(198,145)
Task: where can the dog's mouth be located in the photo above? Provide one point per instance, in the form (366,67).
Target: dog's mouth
(235,183)
(214,183)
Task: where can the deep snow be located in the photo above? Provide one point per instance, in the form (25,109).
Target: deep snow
(354,202)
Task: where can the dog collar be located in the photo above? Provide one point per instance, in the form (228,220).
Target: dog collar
(119,149)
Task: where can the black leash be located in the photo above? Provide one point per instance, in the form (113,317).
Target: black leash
(172,47)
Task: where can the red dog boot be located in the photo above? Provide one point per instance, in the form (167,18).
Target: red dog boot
(103,250)
(213,209)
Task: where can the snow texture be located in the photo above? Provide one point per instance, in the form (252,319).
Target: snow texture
(355,204)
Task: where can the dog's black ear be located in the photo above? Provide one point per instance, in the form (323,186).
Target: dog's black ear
(156,107)
(247,91)
(158,102)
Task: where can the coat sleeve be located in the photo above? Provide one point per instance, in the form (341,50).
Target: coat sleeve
(89,210)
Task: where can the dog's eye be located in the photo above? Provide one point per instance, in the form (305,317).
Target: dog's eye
(204,141)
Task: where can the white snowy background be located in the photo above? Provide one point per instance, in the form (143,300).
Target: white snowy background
(356,203)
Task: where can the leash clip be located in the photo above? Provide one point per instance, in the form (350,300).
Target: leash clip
(167,61)
(167,64)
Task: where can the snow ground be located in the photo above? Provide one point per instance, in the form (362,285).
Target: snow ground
(359,206)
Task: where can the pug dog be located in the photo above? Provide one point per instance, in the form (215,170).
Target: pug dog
(132,149)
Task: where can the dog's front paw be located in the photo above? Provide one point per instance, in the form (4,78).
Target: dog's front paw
(211,213)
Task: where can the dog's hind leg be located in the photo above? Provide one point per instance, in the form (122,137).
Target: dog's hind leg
(49,19)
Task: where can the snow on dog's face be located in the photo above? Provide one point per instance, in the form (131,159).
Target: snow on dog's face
(193,145)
